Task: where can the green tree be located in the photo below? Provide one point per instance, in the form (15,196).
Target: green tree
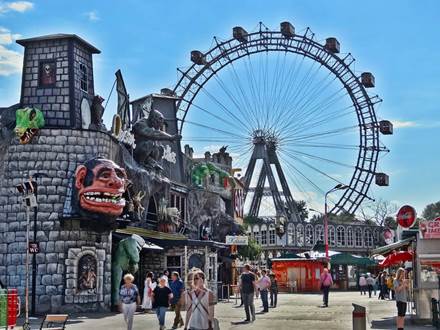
(252,251)
(431,211)
(302,210)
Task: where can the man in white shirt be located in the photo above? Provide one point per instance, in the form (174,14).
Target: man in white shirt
(264,285)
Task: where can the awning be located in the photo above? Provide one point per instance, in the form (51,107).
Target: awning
(151,246)
(391,247)
(349,259)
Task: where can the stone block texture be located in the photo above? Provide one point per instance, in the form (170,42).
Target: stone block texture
(57,153)
(61,102)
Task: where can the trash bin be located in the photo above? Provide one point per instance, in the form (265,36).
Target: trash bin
(3,308)
(359,317)
(13,307)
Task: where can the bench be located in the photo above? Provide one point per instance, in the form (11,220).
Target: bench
(54,322)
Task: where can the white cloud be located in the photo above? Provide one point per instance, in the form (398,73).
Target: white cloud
(6,37)
(92,16)
(18,6)
(10,61)
(403,123)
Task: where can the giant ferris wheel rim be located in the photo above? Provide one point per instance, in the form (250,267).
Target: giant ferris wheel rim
(225,53)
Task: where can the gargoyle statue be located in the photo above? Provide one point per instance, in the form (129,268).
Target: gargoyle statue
(28,122)
(97,111)
(148,136)
(169,217)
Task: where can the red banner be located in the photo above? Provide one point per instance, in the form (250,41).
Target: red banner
(430,229)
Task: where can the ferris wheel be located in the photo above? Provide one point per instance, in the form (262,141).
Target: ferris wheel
(296,95)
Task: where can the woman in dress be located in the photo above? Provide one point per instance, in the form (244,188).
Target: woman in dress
(199,305)
(129,296)
(149,286)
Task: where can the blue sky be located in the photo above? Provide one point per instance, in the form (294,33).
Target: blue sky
(147,40)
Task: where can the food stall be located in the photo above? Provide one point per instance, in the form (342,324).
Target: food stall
(427,268)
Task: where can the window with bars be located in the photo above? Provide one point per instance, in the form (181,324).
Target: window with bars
(290,234)
(174,264)
(271,235)
(263,235)
(309,235)
(331,236)
(84,85)
(368,238)
(358,237)
(340,236)
(300,235)
(349,236)
(319,233)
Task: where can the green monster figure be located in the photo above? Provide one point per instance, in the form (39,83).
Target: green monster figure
(201,171)
(126,259)
(28,121)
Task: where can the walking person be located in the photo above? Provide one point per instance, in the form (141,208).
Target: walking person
(362,284)
(177,288)
(401,285)
(370,284)
(247,287)
(382,285)
(129,296)
(264,285)
(161,300)
(199,305)
(149,286)
(326,283)
(273,291)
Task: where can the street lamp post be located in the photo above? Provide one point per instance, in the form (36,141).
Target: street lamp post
(339,186)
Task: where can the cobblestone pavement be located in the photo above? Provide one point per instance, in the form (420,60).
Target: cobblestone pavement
(295,311)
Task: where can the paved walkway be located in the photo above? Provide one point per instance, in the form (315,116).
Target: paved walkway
(295,311)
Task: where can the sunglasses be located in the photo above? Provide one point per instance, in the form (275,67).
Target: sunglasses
(198,278)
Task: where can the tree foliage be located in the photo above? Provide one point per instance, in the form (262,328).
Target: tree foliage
(303,212)
(378,212)
(252,251)
(431,211)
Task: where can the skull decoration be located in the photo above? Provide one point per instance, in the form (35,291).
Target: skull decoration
(28,121)
(101,185)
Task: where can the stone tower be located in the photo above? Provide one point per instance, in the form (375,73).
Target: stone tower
(58,78)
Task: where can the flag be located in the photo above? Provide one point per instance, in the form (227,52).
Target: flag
(239,202)
(123,101)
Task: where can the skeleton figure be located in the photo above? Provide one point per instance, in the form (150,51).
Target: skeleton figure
(137,204)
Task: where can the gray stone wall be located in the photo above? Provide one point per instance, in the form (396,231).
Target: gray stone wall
(57,153)
(60,103)
(53,101)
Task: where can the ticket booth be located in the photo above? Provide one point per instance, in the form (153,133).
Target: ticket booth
(427,268)
(298,274)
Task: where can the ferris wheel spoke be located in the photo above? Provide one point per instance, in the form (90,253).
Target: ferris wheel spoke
(215,129)
(319,109)
(319,135)
(305,154)
(329,117)
(297,159)
(225,109)
(232,124)
(288,90)
(323,145)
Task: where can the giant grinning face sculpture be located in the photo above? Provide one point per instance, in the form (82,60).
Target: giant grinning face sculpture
(100,185)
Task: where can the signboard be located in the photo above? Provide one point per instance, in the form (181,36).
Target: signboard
(430,229)
(34,248)
(237,240)
(406,217)
(388,235)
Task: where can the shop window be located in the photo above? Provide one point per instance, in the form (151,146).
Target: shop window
(349,236)
(368,238)
(319,233)
(290,234)
(211,269)
(309,235)
(271,235)
(340,236)
(263,235)
(358,237)
(331,236)
(174,264)
(300,235)
(257,234)
(83,77)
